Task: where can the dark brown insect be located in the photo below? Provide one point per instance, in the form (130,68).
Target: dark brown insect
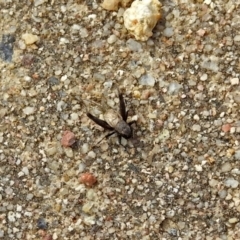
(116,122)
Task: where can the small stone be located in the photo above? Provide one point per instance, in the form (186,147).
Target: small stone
(222,194)
(47,237)
(112,39)
(6,47)
(38,2)
(147,79)
(237,155)
(226,167)
(84,148)
(29,38)
(87,207)
(69,152)
(204,77)
(92,154)
(198,168)
(226,127)
(81,167)
(88,179)
(29,110)
(230,182)
(233,220)
(196,128)
(174,88)
(133,45)
(213,182)
(110,5)
(168,32)
(201,32)
(89,220)
(68,139)
(236,38)
(42,224)
(234,81)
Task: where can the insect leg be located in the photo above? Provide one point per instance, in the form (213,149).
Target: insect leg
(99,122)
(131,122)
(107,136)
(123,112)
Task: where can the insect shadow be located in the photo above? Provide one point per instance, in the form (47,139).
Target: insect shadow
(115,122)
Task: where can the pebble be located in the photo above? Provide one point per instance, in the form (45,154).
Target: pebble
(85,148)
(30,38)
(204,77)
(196,128)
(81,167)
(68,139)
(92,154)
(38,2)
(133,45)
(42,224)
(222,194)
(174,87)
(168,32)
(226,127)
(29,110)
(88,179)
(147,79)
(236,38)
(6,47)
(234,81)
(226,167)
(198,168)
(237,155)
(112,39)
(231,183)
(87,207)
(233,220)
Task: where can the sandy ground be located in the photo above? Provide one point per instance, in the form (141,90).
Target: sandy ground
(176,178)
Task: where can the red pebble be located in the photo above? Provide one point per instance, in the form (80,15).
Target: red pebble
(47,237)
(88,179)
(226,127)
(68,139)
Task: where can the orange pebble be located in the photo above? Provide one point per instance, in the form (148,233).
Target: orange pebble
(226,127)
(88,179)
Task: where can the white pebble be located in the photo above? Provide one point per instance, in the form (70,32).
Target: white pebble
(29,110)
(174,87)
(92,154)
(198,168)
(168,32)
(84,148)
(38,2)
(237,155)
(234,81)
(230,182)
(74,116)
(112,39)
(81,167)
(11,216)
(196,128)
(25,170)
(147,79)
(226,167)
(236,38)
(204,77)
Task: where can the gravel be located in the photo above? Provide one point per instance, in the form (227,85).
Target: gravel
(177,178)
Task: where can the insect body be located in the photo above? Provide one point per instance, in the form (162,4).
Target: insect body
(116,122)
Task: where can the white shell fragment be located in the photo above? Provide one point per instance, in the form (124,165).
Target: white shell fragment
(141,18)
